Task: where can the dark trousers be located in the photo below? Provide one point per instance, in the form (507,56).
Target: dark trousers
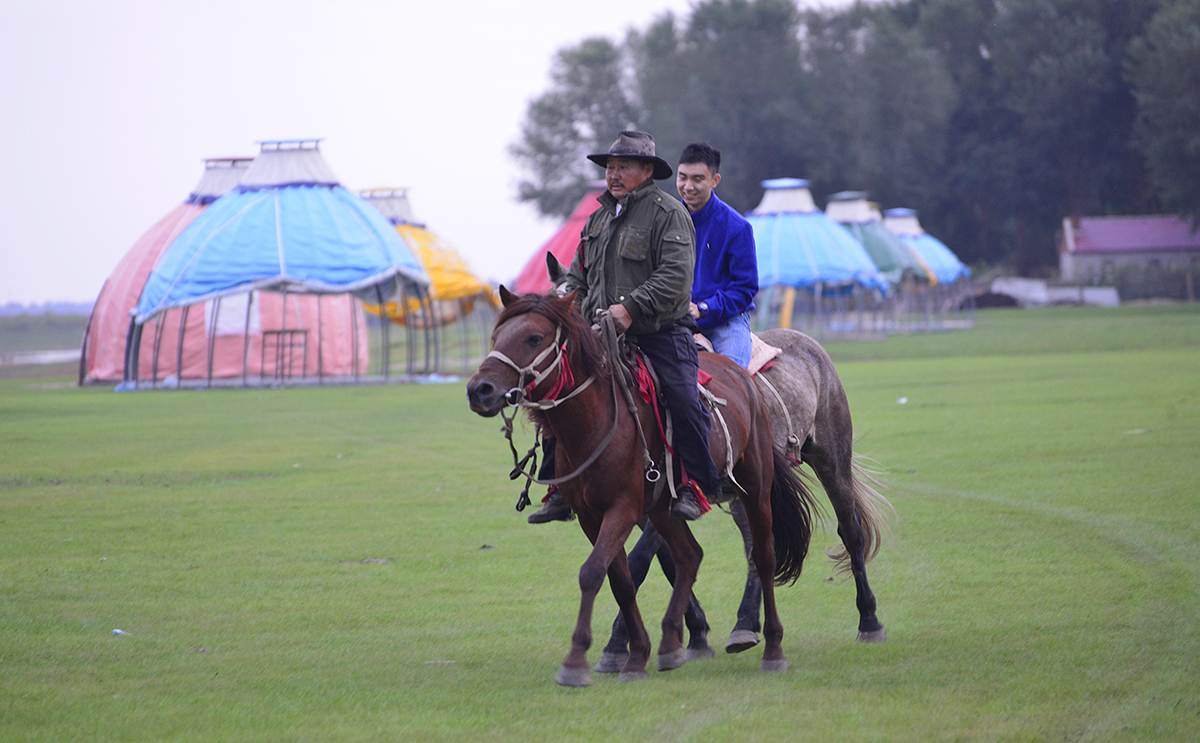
(676,362)
(673,353)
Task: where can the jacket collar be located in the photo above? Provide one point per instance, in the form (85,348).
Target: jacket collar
(634,196)
(705,213)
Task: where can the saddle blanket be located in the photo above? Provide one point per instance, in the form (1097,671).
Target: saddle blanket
(761,353)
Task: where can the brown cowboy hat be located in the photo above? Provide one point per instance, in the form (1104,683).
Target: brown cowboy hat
(635,146)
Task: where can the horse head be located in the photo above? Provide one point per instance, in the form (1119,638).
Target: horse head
(538,343)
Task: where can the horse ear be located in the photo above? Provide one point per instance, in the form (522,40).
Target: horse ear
(506,297)
(554,268)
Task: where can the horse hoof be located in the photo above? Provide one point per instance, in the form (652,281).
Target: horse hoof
(633,676)
(741,639)
(610,662)
(671,661)
(576,677)
(700,653)
(774,666)
(877,637)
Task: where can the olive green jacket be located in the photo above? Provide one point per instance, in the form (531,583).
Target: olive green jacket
(642,259)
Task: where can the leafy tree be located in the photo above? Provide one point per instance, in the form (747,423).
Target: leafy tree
(993,118)
(1164,70)
(1044,120)
(588,103)
(879,101)
(730,77)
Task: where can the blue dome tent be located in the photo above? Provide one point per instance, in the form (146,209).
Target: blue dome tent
(941,260)
(894,259)
(800,248)
(289,228)
(950,302)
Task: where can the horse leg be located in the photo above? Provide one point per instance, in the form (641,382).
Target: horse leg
(608,540)
(686,554)
(764,559)
(693,616)
(616,652)
(840,486)
(745,631)
(648,545)
(625,592)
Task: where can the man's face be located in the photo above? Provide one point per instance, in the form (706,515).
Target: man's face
(695,183)
(623,175)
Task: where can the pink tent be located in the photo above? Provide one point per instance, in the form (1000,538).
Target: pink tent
(562,244)
(243,331)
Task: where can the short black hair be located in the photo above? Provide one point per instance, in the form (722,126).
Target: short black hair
(701,152)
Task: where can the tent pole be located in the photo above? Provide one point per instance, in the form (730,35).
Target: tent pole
(439,336)
(212,336)
(179,347)
(157,349)
(431,323)
(83,349)
(385,354)
(462,331)
(246,341)
(411,332)
(133,338)
(320,340)
(282,368)
(354,334)
(430,330)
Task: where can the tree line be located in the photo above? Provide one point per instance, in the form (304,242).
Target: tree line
(993,118)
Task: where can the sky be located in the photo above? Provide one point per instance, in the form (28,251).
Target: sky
(109,110)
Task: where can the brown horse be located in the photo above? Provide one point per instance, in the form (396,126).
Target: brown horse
(546,357)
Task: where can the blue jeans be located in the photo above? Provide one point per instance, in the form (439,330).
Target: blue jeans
(732,338)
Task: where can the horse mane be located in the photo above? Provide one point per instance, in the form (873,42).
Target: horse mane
(584,350)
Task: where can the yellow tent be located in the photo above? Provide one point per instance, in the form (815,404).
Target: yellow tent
(454,290)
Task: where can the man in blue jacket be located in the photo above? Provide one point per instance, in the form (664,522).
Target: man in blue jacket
(725,277)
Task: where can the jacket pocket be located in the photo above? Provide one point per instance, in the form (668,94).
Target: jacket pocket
(635,244)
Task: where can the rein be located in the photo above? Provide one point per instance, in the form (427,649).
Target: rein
(517,398)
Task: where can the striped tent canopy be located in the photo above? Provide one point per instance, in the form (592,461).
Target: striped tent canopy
(289,227)
(894,259)
(799,246)
(945,265)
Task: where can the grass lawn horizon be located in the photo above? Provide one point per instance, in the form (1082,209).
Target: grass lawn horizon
(345,564)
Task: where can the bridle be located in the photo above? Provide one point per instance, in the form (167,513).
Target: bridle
(518,396)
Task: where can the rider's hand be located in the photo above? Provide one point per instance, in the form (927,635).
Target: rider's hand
(620,316)
(693,310)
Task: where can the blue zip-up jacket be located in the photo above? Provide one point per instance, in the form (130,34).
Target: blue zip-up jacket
(726,272)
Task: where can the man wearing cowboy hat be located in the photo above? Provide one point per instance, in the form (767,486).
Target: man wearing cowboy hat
(635,259)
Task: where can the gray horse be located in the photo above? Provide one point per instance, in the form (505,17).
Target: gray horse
(810,418)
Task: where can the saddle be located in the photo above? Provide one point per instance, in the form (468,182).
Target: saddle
(762,357)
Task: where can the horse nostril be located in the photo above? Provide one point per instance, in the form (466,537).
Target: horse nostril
(480,392)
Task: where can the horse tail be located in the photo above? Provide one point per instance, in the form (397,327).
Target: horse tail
(873,509)
(792,516)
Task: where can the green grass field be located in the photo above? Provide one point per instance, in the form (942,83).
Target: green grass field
(345,564)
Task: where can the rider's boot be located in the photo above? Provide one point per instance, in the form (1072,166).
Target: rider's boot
(554,508)
(687,505)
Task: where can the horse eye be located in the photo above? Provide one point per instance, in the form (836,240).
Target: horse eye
(534,340)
